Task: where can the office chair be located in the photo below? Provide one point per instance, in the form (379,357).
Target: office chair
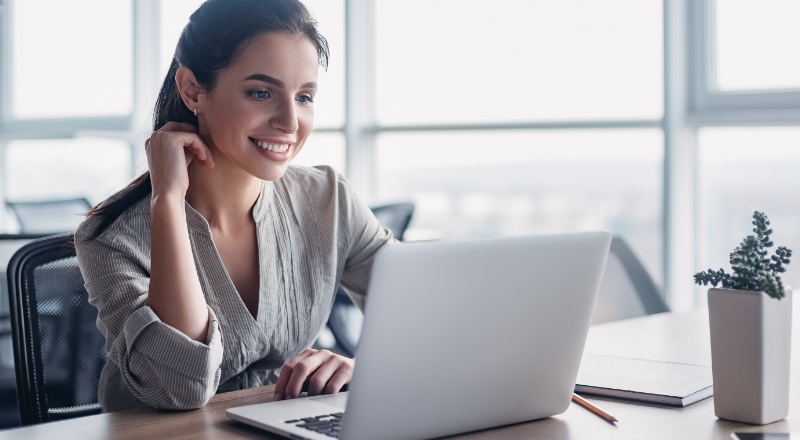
(58,351)
(627,290)
(345,319)
(49,216)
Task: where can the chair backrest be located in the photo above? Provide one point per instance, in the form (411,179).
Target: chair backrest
(58,350)
(9,411)
(627,290)
(395,216)
(49,216)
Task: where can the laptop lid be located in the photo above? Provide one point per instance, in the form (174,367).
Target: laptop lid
(462,336)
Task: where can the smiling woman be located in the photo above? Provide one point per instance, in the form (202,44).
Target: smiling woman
(217,268)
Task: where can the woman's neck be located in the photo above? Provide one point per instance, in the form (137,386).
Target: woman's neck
(224,196)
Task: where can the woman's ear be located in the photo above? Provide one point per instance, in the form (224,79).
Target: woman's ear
(188,88)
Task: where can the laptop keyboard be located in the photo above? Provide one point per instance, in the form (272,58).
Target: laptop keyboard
(328,424)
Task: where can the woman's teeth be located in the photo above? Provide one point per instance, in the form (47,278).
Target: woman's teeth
(277,148)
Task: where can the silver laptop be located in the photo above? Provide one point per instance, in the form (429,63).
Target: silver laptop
(458,337)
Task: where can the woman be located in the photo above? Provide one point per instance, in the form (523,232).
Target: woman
(216,270)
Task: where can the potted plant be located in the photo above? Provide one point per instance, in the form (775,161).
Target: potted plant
(750,319)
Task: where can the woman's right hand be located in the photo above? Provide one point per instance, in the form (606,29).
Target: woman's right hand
(170,150)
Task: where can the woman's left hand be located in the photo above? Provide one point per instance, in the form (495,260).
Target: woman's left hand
(324,373)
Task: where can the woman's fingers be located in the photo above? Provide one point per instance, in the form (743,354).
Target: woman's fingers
(302,371)
(286,373)
(170,150)
(323,371)
(341,377)
(185,134)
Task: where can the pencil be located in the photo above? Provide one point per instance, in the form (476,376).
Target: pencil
(591,407)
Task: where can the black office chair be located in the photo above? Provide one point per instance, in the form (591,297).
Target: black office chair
(627,290)
(58,351)
(344,321)
(49,216)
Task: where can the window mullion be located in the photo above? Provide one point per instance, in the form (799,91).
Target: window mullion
(359,95)
(679,158)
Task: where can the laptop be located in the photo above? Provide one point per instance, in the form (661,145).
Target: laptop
(458,336)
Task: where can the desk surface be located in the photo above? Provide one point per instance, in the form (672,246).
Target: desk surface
(679,337)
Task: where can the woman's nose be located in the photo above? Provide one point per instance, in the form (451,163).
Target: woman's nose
(285,118)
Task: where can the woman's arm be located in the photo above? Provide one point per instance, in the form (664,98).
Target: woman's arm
(158,364)
(175,294)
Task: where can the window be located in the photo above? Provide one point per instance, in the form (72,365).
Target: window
(510,61)
(746,169)
(93,168)
(325,148)
(757,45)
(485,184)
(76,67)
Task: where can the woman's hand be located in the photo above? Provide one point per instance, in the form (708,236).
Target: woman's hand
(323,371)
(170,150)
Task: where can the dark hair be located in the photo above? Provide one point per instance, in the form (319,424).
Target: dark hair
(212,40)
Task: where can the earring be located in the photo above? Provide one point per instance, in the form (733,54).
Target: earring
(195,111)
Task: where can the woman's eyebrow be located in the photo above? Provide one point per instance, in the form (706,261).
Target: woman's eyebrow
(271,80)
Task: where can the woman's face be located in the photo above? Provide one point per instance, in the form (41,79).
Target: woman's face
(260,112)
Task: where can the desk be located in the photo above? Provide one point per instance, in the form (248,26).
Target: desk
(681,337)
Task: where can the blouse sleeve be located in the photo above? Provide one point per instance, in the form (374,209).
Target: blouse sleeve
(161,366)
(364,236)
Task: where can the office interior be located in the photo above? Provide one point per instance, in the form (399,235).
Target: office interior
(666,122)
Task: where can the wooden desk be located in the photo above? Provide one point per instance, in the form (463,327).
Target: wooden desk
(677,337)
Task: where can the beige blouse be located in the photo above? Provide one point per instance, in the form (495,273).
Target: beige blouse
(313,233)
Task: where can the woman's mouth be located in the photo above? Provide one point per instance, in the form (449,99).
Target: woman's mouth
(270,146)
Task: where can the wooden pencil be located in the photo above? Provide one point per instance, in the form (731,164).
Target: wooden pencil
(591,407)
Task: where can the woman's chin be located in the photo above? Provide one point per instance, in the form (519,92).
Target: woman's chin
(270,173)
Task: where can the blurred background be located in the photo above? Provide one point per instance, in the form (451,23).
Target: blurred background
(666,122)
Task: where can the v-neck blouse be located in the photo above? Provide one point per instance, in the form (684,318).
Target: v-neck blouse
(313,234)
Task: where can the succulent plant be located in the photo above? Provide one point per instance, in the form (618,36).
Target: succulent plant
(752,268)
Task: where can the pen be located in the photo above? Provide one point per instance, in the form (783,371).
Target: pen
(591,407)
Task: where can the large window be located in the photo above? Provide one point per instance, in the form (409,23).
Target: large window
(746,169)
(447,94)
(528,182)
(747,72)
(757,45)
(500,118)
(70,59)
(511,61)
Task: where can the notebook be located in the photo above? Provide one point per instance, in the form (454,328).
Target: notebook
(666,383)
(458,337)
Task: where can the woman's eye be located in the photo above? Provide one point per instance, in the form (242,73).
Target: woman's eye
(259,94)
(305,99)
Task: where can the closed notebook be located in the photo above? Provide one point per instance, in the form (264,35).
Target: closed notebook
(644,380)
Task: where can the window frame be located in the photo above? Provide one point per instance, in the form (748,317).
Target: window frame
(690,103)
(712,106)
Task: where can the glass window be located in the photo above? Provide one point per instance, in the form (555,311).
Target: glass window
(757,44)
(66,168)
(482,184)
(746,169)
(329,102)
(450,61)
(174,15)
(71,58)
(323,149)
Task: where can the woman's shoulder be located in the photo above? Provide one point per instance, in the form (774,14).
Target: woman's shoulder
(313,181)
(135,220)
(319,174)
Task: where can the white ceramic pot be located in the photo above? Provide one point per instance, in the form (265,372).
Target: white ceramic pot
(750,354)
